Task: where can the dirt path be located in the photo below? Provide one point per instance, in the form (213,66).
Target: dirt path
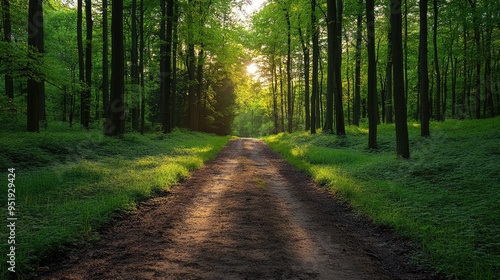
(245,215)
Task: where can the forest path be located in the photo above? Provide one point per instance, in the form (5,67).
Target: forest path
(246,214)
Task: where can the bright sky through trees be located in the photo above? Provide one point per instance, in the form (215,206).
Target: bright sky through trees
(252,69)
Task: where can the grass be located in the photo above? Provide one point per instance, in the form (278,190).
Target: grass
(446,197)
(70,183)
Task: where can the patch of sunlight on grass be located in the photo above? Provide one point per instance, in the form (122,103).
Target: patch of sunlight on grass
(80,182)
(445,197)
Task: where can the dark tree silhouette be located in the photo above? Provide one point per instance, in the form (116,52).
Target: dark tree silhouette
(115,121)
(423,72)
(372,76)
(402,143)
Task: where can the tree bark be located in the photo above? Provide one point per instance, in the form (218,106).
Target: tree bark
(7,32)
(437,99)
(141,64)
(477,41)
(402,142)
(305,52)
(289,71)
(357,80)
(85,115)
(115,121)
(134,70)
(35,86)
(81,59)
(175,41)
(388,83)
(105,60)
(331,87)
(200,98)
(167,125)
(423,72)
(339,107)
(315,57)
(372,76)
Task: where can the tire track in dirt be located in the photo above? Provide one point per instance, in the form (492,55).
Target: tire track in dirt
(245,215)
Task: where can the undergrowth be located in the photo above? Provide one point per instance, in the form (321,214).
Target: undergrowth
(446,197)
(70,183)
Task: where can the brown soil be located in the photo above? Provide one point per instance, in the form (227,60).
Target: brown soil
(245,215)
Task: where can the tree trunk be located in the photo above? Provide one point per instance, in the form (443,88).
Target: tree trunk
(477,40)
(372,76)
(105,60)
(35,42)
(134,70)
(115,121)
(193,105)
(175,40)
(488,94)
(274,89)
(437,99)
(339,107)
(305,52)
(388,83)
(423,72)
(331,87)
(81,59)
(289,71)
(282,96)
(200,99)
(85,117)
(402,142)
(315,57)
(167,125)
(406,50)
(454,71)
(141,64)
(357,79)
(7,32)
(163,67)
(445,88)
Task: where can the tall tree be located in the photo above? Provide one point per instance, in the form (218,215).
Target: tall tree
(165,63)
(115,121)
(134,69)
(331,82)
(315,58)
(304,40)
(141,64)
(423,72)
(402,143)
(81,59)
(477,41)
(85,118)
(388,82)
(7,33)
(36,48)
(289,69)
(372,76)
(357,79)
(193,114)
(105,59)
(339,107)
(437,98)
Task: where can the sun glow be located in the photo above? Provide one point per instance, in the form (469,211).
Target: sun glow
(252,69)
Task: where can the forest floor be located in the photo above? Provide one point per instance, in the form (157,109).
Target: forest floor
(247,214)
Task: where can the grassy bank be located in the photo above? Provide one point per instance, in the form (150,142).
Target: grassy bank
(446,197)
(69,183)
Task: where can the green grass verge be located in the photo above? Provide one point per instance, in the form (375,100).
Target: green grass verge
(446,197)
(69,183)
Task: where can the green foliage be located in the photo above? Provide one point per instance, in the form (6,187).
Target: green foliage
(69,183)
(445,198)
